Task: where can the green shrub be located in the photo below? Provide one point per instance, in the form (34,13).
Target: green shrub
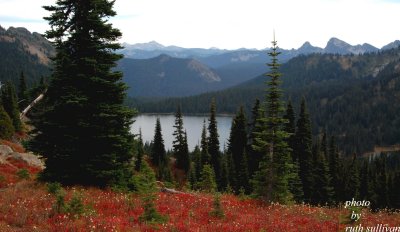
(217,210)
(23,174)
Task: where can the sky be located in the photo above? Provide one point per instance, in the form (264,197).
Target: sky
(233,24)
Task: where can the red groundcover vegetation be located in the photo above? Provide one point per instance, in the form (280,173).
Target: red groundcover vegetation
(26,205)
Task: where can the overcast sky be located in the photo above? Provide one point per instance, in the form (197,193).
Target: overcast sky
(235,24)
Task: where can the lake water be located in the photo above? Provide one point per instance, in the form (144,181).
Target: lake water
(192,124)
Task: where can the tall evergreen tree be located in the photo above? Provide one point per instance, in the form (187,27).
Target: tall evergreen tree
(277,165)
(84,130)
(254,156)
(180,146)
(236,147)
(197,166)
(205,156)
(290,127)
(352,184)
(9,99)
(213,144)
(140,152)
(323,191)
(334,169)
(304,150)
(23,95)
(158,153)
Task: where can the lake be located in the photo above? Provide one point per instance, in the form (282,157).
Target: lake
(192,124)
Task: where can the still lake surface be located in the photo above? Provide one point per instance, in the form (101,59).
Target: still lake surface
(192,124)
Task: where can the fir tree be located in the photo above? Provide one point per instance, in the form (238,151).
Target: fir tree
(304,150)
(23,95)
(213,144)
(334,168)
(207,181)
(323,191)
(84,130)
(180,146)
(277,165)
(140,152)
(158,154)
(196,167)
(254,156)
(236,148)
(352,185)
(290,128)
(205,156)
(9,99)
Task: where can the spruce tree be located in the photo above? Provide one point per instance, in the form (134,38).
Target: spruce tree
(84,130)
(276,167)
(180,146)
(213,144)
(197,167)
(9,99)
(23,95)
(352,184)
(304,150)
(236,148)
(207,181)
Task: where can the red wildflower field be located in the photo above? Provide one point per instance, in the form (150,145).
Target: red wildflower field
(25,205)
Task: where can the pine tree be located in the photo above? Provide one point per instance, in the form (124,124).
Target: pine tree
(9,99)
(84,130)
(276,167)
(23,95)
(196,166)
(304,150)
(6,126)
(254,157)
(180,146)
(236,148)
(213,144)
(158,154)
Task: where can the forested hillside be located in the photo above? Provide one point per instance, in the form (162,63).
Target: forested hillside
(355,97)
(22,51)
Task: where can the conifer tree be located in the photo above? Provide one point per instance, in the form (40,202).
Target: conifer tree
(180,146)
(205,156)
(352,185)
(23,95)
(207,182)
(254,156)
(6,126)
(304,150)
(158,152)
(236,148)
(196,166)
(364,180)
(84,130)
(334,168)
(213,144)
(276,167)
(323,191)
(9,99)
(140,152)
(290,128)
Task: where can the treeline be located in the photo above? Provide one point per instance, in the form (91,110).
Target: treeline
(13,101)
(353,97)
(325,176)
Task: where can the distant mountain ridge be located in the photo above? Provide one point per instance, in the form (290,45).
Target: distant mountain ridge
(23,51)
